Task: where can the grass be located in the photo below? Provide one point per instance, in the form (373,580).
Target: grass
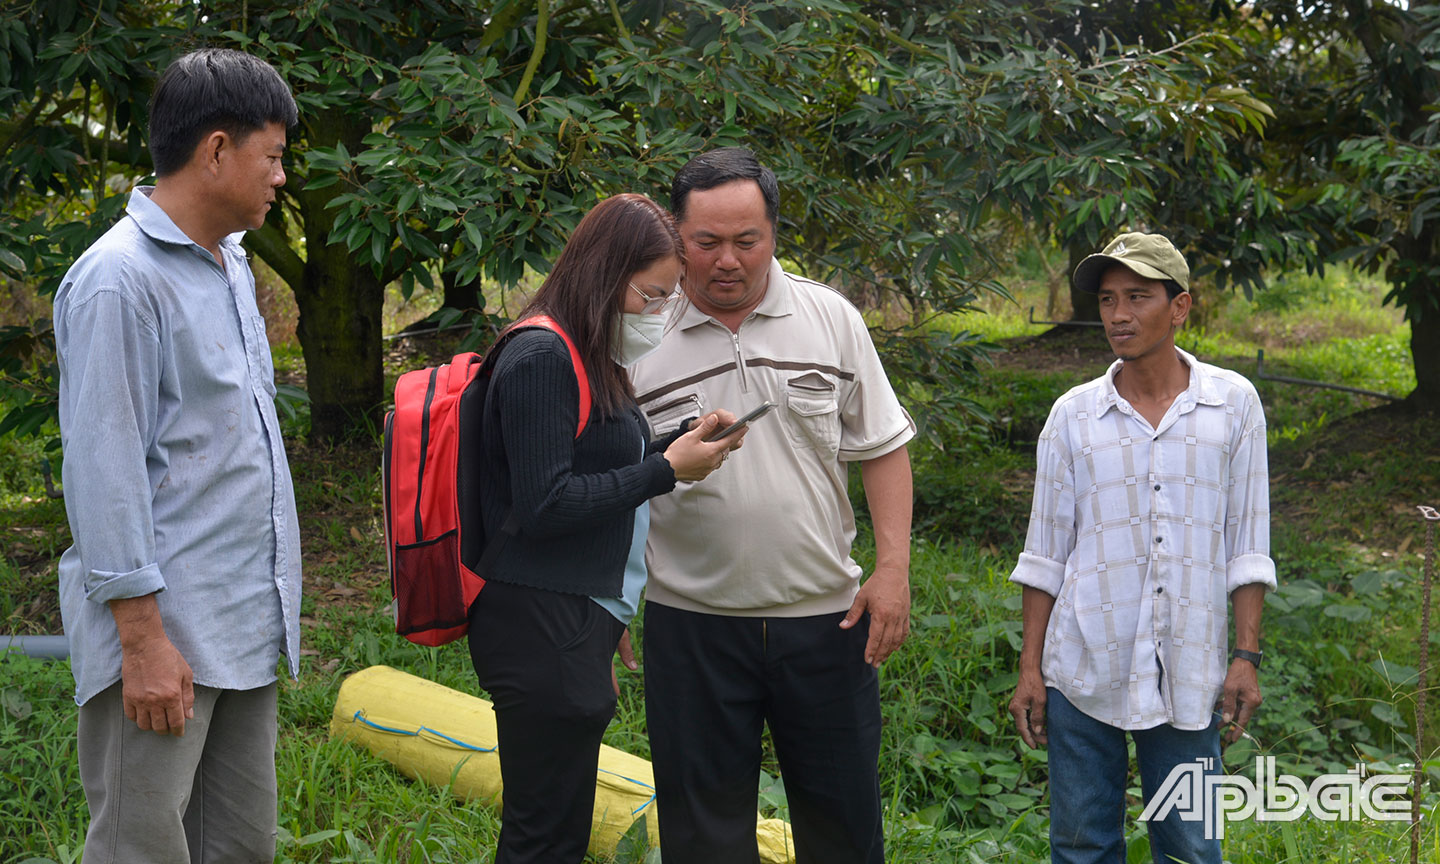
(1341,636)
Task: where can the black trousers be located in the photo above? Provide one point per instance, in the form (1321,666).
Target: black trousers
(545,659)
(711,681)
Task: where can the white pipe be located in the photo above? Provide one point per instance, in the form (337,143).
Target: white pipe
(43,647)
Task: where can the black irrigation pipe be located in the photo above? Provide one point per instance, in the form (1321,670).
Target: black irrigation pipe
(1064,323)
(1260,373)
(404,334)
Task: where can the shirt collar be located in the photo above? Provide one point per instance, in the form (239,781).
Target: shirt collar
(777,302)
(1200,391)
(158,225)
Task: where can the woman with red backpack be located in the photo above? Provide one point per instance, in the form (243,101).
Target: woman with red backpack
(562,587)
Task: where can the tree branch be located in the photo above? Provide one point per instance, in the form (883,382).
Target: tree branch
(269,242)
(110,147)
(25,124)
(1370,23)
(619,22)
(501,23)
(542,25)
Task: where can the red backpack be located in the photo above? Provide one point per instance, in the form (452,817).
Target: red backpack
(434,535)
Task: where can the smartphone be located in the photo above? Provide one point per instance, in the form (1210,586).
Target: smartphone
(755,414)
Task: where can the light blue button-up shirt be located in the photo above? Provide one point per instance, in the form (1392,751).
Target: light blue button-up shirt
(627,604)
(175,474)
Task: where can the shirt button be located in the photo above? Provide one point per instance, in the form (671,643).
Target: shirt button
(1159,590)
(1157,487)
(1158,540)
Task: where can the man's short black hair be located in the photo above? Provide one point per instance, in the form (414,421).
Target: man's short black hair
(210,89)
(718,167)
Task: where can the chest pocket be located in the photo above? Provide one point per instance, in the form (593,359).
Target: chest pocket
(666,412)
(812,416)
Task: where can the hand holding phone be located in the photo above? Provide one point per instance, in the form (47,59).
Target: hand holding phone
(754,414)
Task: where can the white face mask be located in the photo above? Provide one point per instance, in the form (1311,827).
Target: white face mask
(637,334)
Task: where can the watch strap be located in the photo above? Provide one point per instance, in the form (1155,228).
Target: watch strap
(1253,656)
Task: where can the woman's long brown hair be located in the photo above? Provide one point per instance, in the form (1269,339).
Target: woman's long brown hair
(619,237)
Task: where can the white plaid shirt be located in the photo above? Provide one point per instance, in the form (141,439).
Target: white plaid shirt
(1141,533)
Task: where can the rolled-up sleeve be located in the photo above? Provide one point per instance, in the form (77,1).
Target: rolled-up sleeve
(1051,537)
(872,420)
(109,403)
(1247,522)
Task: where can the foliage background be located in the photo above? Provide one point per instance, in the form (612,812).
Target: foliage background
(450,147)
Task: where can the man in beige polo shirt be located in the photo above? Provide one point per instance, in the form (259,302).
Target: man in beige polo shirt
(756,614)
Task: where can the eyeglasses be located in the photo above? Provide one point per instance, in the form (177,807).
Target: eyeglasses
(654,304)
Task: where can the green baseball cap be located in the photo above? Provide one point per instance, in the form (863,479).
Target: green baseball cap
(1150,255)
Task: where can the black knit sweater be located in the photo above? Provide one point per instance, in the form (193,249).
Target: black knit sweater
(573,499)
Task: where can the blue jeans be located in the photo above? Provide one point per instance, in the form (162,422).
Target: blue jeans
(1088,765)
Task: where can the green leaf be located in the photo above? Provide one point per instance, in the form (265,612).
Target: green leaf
(1349,611)
(1278,602)
(1388,714)
(11,260)
(967,783)
(508,109)
(288,398)
(27,419)
(635,843)
(15,704)
(321,181)
(317,837)
(1004,771)
(1303,593)
(1395,674)
(1365,584)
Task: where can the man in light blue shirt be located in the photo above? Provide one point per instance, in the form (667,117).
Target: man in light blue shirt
(182,587)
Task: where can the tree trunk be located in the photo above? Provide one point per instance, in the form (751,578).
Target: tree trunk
(1085,304)
(1425,351)
(339,330)
(1421,298)
(340,308)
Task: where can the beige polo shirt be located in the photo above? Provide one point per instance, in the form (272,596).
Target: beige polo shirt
(769,532)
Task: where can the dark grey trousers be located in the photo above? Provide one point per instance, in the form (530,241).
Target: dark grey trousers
(205,798)
(711,683)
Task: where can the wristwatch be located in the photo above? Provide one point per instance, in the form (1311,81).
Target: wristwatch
(1253,656)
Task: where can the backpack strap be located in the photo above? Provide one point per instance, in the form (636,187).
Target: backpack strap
(580,377)
(511,526)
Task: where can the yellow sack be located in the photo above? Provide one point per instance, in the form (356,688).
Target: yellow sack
(426,730)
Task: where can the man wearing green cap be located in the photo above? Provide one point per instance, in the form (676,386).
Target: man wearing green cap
(1150,525)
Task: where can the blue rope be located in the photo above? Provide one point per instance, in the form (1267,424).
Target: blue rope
(639,783)
(360,718)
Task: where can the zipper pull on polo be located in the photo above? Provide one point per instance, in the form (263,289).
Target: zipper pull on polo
(739,361)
